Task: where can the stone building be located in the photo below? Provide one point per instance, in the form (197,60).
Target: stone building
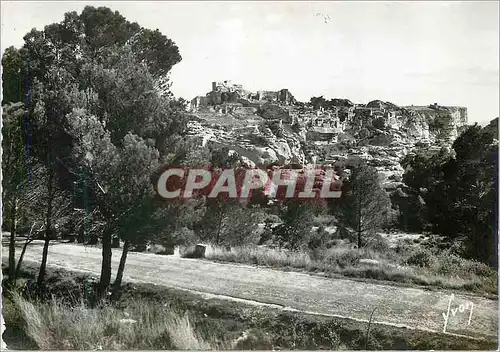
(226,86)
(198,103)
(266,95)
(285,97)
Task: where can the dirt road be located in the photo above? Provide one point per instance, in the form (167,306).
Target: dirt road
(409,307)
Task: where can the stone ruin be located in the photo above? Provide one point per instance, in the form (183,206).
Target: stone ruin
(225,92)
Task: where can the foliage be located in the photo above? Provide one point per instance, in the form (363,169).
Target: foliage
(101,117)
(298,218)
(15,162)
(317,102)
(404,266)
(459,189)
(379,123)
(420,258)
(228,222)
(364,205)
(12,76)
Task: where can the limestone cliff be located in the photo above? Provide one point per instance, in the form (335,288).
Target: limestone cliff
(264,131)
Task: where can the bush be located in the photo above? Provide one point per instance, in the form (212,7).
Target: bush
(292,332)
(267,233)
(454,265)
(422,258)
(182,236)
(378,244)
(480,269)
(344,257)
(254,339)
(379,123)
(449,265)
(318,239)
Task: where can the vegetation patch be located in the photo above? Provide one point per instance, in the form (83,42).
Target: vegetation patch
(147,316)
(403,265)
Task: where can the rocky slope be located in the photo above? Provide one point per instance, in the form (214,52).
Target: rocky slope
(380,133)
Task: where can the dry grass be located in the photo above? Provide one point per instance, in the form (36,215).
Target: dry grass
(265,329)
(56,325)
(261,256)
(183,335)
(445,270)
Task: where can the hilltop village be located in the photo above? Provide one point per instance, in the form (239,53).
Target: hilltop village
(323,119)
(273,127)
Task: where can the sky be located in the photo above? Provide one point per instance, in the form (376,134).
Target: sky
(404,52)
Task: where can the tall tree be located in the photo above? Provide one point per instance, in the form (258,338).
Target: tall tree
(424,203)
(14,172)
(102,65)
(47,107)
(26,188)
(12,76)
(364,204)
(121,182)
(297,217)
(459,189)
(473,184)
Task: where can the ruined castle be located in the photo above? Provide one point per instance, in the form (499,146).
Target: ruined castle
(227,96)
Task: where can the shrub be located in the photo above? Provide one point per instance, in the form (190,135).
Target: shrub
(253,339)
(449,265)
(292,332)
(421,258)
(318,238)
(348,258)
(379,123)
(480,269)
(343,257)
(378,244)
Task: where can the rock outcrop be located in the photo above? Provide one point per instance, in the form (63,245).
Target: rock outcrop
(267,128)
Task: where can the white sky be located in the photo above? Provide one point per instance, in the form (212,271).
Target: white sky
(407,53)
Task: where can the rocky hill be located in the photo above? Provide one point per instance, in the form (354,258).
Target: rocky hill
(272,127)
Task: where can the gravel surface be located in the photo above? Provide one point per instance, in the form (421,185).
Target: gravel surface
(413,308)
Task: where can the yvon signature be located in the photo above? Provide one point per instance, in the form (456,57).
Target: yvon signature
(467,307)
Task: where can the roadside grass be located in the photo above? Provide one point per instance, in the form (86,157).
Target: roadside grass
(403,264)
(55,324)
(162,323)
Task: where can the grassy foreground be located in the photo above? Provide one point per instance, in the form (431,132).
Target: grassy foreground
(58,325)
(152,317)
(404,265)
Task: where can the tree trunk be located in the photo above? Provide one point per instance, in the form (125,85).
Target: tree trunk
(93,239)
(359,224)
(12,242)
(219,229)
(106,262)
(48,227)
(43,266)
(19,262)
(121,269)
